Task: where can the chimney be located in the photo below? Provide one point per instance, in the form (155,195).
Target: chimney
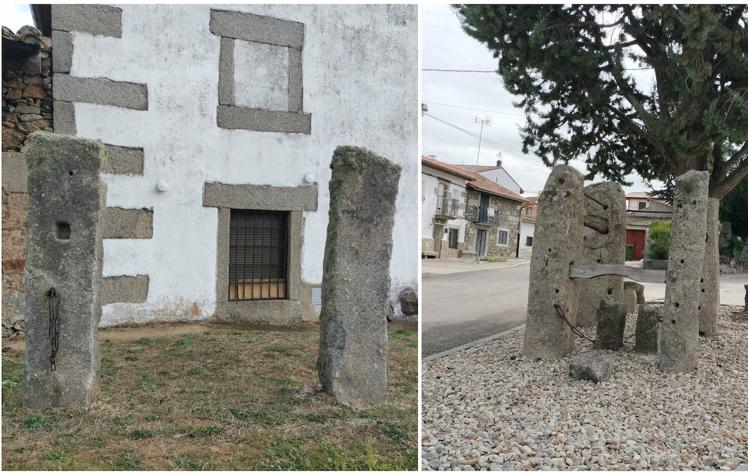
(498,163)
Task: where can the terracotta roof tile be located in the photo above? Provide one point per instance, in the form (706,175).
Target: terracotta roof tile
(475,180)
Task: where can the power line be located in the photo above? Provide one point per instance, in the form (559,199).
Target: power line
(435,70)
(474,109)
(472,134)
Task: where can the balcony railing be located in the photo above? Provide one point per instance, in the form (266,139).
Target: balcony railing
(446,206)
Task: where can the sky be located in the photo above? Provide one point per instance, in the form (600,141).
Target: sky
(445,46)
(16,15)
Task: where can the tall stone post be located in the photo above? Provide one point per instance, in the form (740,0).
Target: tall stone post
(603,242)
(709,311)
(63,269)
(679,331)
(353,346)
(557,241)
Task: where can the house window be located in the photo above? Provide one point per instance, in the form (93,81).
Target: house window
(453,233)
(258,255)
(528,241)
(642,204)
(503,237)
(483,209)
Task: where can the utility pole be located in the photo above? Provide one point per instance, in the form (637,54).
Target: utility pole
(487,122)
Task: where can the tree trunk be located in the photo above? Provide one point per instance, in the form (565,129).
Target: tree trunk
(709,305)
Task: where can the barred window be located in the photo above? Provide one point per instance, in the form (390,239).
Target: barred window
(258,255)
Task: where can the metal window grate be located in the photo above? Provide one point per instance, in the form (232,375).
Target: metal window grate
(258,255)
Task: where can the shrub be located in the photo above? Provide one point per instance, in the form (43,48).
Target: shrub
(658,242)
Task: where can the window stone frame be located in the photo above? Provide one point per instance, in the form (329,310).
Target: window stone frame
(232,26)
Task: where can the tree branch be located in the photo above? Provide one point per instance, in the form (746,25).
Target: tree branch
(739,173)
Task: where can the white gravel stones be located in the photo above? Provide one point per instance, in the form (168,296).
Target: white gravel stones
(490,408)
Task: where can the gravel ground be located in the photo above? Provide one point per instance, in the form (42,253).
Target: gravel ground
(490,408)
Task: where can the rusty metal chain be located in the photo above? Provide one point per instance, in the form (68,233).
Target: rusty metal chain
(576,329)
(53,300)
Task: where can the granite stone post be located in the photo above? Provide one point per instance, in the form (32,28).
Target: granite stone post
(647,321)
(709,309)
(353,348)
(557,241)
(611,323)
(679,331)
(64,253)
(603,242)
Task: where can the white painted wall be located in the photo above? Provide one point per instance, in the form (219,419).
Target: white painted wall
(501,177)
(360,85)
(526,229)
(429,183)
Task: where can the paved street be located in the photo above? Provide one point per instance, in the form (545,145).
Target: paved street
(461,304)
(463,307)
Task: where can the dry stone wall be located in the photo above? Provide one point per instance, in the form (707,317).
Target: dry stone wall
(27,107)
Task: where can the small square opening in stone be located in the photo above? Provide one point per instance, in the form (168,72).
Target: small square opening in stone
(62,230)
(260,75)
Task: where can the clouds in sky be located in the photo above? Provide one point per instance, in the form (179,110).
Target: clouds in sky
(16,15)
(445,46)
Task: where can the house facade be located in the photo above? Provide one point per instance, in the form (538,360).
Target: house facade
(490,217)
(220,124)
(443,205)
(527,227)
(641,210)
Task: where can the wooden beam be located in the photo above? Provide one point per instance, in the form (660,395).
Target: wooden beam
(633,273)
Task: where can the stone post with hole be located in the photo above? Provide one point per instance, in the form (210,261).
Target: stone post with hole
(558,236)
(603,242)
(64,253)
(353,347)
(709,311)
(678,332)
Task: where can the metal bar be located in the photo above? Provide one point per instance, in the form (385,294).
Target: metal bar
(634,273)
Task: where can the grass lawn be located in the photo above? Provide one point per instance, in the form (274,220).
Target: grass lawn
(224,399)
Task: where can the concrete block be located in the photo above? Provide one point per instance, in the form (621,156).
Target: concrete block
(123,160)
(95,19)
(604,243)
(257,28)
(261,197)
(611,323)
(356,282)
(64,252)
(63,118)
(679,330)
(709,305)
(124,289)
(62,57)
(647,322)
(123,223)
(226,72)
(100,91)
(557,242)
(261,120)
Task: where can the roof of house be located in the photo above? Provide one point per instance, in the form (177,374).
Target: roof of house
(485,168)
(475,180)
(446,167)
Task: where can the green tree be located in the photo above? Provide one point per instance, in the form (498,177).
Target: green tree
(656,89)
(734,208)
(658,240)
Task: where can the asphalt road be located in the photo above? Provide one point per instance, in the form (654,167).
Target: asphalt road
(464,307)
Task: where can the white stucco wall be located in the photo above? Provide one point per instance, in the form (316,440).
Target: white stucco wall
(501,177)
(359,83)
(428,205)
(526,229)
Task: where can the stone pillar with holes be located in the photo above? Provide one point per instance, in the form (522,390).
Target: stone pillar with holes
(64,253)
(603,242)
(353,347)
(678,332)
(558,236)
(709,307)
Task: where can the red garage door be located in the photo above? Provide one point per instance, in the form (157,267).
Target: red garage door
(635,238)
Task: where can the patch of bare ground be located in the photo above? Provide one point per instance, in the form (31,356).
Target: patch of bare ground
(214,397)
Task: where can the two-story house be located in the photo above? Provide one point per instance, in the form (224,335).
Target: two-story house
(482,217)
